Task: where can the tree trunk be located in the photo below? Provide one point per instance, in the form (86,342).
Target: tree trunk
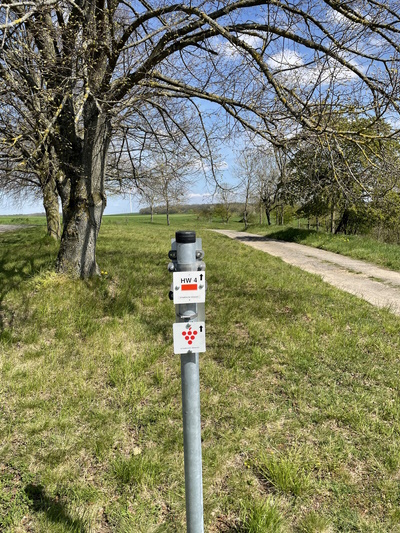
(64,192)
(268,214)
(51,207)
(167,206)
(83,214)
(342,226)
(332,219)
(47,177)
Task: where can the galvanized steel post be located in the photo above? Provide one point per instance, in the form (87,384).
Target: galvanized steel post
(186,255)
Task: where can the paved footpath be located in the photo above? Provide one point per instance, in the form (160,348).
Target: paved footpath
(11,227)
(379,286)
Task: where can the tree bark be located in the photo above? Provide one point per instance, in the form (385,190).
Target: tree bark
(167,206)
(87,201)
(64,192)
(47,177)
(51,207)
(342,226)
(333,219)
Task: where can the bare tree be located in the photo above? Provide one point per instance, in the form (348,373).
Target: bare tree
(148,195)
(165,183)
(245,170)
(260,177)
(274,68)
(275,186)
(226,197)
(28,166)
(160,163)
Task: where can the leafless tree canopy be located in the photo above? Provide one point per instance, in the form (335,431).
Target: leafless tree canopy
(265,63)
(73,71)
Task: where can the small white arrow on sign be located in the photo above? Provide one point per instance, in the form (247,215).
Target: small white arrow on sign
(189,287)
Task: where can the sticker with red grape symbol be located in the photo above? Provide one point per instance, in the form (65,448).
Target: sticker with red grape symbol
(189,337)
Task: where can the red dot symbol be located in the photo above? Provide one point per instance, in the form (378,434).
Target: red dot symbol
(190,342)
(192,337)
(183,333)
(187,337)
(194,332)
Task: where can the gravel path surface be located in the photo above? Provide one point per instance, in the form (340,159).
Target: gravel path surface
(10,227)
(379,286)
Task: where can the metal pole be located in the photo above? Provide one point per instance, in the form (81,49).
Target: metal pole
(186,261)
(192,442)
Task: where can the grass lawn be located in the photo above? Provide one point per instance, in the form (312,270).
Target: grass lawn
(35,220)
(299,393)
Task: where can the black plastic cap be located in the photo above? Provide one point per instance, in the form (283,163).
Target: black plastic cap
(185,237)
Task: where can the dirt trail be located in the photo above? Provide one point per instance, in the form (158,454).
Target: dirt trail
(376,285)
(9,227)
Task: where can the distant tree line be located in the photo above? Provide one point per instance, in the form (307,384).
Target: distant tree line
(173,209)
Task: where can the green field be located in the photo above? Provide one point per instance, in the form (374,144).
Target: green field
(35,220)
(299,393)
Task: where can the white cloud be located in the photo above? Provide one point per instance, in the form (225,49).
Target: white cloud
(195,196)
(251,40)
(292,69)
(394,121)
(285,59)
(228,49)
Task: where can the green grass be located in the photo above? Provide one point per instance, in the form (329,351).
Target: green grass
(300,410)
(36,220)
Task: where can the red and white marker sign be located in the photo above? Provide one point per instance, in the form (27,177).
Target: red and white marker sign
(189,287)
(189,337)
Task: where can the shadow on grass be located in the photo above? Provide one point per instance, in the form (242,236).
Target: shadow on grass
(292,234)
(53,509)
(225,527)
(22,255)
(288,234)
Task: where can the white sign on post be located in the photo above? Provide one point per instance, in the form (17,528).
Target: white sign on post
(189,337)
(189,287)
